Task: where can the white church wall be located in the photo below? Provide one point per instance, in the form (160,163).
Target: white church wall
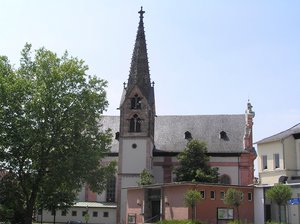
(135,157)
(158,174)
(228,166)
(232,172)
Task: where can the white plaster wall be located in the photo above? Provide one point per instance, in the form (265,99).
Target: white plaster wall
(158,174)
(297,143)
(232,171)
(258,199)
(271,177)
(269,149)
(290,153)
(134,159)
(111,219)
(223,159)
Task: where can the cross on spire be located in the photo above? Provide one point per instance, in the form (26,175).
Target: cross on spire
(141,12)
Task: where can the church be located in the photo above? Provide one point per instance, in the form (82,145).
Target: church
(145,140)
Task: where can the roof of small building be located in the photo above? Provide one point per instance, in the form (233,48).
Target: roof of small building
(84,204)
(189,183)
(281,135)
(170,132)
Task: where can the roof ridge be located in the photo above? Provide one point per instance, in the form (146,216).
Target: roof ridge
(279,133)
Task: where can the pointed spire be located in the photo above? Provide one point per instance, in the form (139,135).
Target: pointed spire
(139,70)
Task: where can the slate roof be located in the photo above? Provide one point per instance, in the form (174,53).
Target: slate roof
(169,132)
(282,135)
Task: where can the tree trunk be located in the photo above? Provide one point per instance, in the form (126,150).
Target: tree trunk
(28,214)
(238,213)
(279,213)
(193,213)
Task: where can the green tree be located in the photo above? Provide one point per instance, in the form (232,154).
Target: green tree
(234,198)
(146,178)
(280,194)
(191,197)
(50,136)
(194,164)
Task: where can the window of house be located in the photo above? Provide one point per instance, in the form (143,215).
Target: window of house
(225,179)
(135,124)
(188,135)
(63,213)
(53,213)
(95,214)
(264,162)
(222,195)
(212,195)
(117,135)
(136,102)
(105,214)
(74,213)
(223,135)
(111,190)
(276,161)
(84,213)
(202,193)
(249,196)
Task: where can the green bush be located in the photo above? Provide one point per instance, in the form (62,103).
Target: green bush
(179,222)
(272,222)
(238,222)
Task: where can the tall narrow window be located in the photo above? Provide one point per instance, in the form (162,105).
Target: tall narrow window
(276,161)
(136,102)
(264,162)
(222,195)
(135,124)
(249,196)
(110,190)
(202,194)
(212,195)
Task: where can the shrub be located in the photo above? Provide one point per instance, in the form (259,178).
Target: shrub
(179,222)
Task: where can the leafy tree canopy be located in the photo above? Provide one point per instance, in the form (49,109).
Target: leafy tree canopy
(279,193)
(234,198)
(146,178)
(194,164)
(50,137)
(191,197)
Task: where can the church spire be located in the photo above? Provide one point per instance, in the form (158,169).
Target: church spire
(139,70)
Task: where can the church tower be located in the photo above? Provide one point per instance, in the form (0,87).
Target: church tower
(137,113)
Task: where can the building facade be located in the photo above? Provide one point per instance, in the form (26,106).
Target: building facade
(145,141)
(279,162)
(149,203)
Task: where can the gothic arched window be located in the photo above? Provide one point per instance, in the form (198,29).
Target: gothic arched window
(135,124)
(136,102)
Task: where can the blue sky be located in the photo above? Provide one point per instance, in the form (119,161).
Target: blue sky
(206,57)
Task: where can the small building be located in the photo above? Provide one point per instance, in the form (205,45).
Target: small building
(166,202)
(82,212)
(279,162)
